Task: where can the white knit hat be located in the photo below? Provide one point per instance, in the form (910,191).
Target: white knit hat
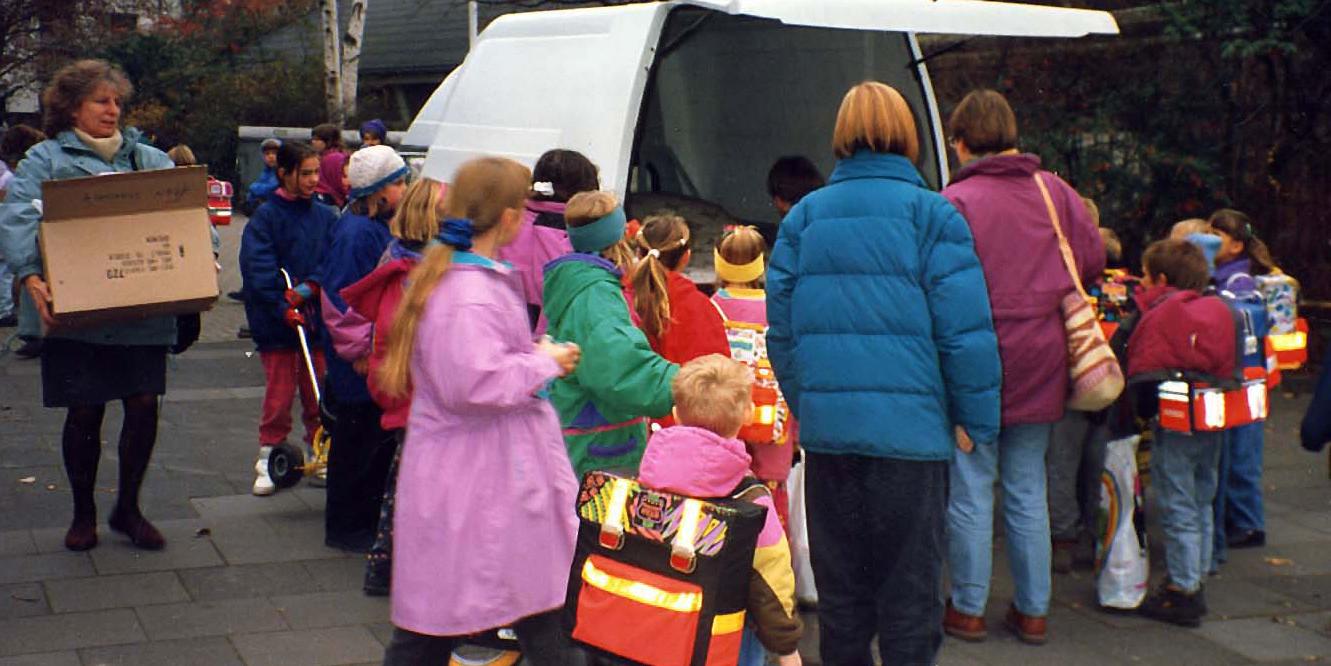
(372,168)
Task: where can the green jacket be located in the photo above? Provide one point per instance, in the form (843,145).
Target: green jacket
(58,158)
(619,381)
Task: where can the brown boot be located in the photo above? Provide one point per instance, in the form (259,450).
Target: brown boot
(966,627)
(141,533)
(1032,630)
(82,534)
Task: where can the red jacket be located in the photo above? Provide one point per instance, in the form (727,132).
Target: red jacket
(696,328)
(376,297)
(1182,330)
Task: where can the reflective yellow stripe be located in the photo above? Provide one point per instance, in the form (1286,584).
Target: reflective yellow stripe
(727,624)
(614,512)
(679,602)
(1288,341)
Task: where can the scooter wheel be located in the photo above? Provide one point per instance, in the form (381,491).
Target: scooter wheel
(286,465)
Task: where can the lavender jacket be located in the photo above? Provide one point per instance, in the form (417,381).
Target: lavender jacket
(484,525)
(1024,271)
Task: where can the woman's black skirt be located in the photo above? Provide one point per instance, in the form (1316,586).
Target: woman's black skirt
(76,374)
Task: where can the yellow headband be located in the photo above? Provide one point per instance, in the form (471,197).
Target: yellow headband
(738,273)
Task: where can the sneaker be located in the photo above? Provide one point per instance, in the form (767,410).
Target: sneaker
(263,484)
(966,627)
(1168,604)
(236,295)
(32,348)
(1064,553)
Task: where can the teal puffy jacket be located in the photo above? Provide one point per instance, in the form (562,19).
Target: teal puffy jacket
(881,335)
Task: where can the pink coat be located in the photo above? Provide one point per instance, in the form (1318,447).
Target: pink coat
(484,526)
(533,248)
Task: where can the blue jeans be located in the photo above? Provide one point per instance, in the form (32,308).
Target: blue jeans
(1243,483)
(751,651)
(1017,462)
(6,289)
(1219,545)
(1185,471)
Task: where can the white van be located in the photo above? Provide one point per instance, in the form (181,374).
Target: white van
(697,98)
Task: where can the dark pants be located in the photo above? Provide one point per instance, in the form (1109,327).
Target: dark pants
(357,468)
(379,561)
(542,638)
(876,545)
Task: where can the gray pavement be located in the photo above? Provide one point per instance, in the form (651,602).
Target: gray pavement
(247,580)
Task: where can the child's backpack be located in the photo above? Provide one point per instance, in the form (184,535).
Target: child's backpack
(659,578)
(1288,335)
(1190,402)
(771,415)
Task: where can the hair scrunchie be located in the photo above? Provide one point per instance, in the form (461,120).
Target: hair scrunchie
(456,232)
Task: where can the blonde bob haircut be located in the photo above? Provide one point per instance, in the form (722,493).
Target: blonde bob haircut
(417,215)
(876,117)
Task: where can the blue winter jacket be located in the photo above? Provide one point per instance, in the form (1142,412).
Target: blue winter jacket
(881,335)
(357,244)
(59,158)
(263,187)
(283,234)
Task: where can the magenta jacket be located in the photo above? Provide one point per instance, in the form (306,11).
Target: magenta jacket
(1025,274)
(536,245)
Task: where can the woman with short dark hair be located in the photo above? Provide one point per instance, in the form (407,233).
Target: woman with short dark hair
(85,368)
(880,337)
(996,192)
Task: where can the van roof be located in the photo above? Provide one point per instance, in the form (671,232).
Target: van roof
(969,17)
(574,78)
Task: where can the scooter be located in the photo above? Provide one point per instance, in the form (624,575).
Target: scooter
(287,463)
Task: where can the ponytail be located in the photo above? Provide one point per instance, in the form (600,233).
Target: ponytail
(483,190)
(395,373)
(661,245)
(1238,226)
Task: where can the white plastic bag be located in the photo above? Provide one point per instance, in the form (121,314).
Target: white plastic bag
(1122,562)
(805,592)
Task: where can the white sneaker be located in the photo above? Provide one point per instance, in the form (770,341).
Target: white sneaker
(263,484)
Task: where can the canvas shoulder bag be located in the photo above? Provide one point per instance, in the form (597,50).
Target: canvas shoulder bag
(1096,378)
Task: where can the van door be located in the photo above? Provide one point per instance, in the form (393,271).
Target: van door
(729,94)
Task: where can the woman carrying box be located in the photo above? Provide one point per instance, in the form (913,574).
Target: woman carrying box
(85,368)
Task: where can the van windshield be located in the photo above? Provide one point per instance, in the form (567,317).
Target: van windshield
(730,94)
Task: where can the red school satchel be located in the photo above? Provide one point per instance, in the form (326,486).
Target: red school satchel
(659,578)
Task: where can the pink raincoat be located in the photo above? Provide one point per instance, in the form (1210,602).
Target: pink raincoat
(533,248)
(485,526)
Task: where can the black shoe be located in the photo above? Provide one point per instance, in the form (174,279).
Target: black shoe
(1246,539)
(236,296)
(1175,607)
(375,585)
(9,321)
(244,333)
(32,348)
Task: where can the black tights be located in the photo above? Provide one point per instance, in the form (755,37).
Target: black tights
(81,445)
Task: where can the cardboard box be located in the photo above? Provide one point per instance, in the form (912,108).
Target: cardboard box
(129,245)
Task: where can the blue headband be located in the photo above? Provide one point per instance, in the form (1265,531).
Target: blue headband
(456,233)
(360,192)
(599,235)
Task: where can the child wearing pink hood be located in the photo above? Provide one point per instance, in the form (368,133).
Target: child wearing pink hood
(703,458)
(558,175)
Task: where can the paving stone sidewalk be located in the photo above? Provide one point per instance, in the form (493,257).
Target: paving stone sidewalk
(247,580)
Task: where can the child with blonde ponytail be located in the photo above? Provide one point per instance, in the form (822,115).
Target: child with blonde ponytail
(679,321)
(604,405)
(484,472)
(740,259)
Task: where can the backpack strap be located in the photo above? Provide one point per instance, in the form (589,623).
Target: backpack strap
(134,157)
(750,489)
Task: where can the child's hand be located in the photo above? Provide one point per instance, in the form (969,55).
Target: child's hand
(964,442)
(565,354)
(792,659)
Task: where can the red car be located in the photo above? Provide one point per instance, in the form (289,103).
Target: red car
(219,201)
